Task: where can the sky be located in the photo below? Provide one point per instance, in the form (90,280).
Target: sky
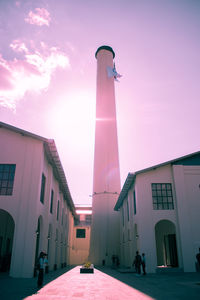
(48,78)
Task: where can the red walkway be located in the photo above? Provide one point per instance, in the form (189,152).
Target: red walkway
(73,285)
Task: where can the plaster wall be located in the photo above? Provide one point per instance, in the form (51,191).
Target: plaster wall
(187,179)
(24,204)
(25,153)
(126,232)
(146,218)
(80,247)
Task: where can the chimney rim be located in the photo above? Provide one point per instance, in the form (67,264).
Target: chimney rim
(105,48)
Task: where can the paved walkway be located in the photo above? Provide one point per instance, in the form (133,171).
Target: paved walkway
(104,284)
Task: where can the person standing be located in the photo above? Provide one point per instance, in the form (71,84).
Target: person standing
(41,269)
(137,263)
(143,264)
(198,260)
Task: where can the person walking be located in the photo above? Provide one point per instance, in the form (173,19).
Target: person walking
(143,264)
(41,269)
(137,263)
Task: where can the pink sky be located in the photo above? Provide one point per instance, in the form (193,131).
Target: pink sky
(48,78)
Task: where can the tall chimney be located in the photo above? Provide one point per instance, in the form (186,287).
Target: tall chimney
(104,241)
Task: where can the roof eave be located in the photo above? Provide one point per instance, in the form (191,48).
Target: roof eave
(128,183)
(54,159)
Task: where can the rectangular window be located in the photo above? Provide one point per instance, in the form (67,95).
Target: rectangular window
(62,216)
(122,215)
(42,188)
(7,174)
(134,202)
(127,205)
(58,210)
(129,235)
(51,204)
(162,196)
(136,231)
(88,219)
(80,233)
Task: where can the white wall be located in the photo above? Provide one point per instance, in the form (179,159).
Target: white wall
(24,205)
(79,251)
(80,247)
(26,154)
(146,218)
(126,233)
(187,180)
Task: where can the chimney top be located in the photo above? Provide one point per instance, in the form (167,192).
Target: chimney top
(106,48)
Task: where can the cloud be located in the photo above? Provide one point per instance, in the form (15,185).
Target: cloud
(31,74)
(19,46)
(40,17)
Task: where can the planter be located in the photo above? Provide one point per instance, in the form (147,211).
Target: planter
(86,270)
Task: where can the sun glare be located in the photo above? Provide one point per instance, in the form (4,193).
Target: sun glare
(72,118)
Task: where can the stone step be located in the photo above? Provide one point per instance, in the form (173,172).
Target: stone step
(165,270)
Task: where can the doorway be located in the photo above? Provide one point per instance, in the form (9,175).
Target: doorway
(170,250)
(38,242)
(166,247)
(7,227)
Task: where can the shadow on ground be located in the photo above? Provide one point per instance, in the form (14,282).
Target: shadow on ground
(174,286)
(20,288)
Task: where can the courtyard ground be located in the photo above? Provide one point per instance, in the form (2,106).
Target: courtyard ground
(105,283)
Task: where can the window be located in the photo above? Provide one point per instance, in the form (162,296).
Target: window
(58,210)
(42,188)
(127,205)
(122,215)
(7,174)
(80,233)
(134,202)
(129,235)
(51,204)
(88,219)
(162,196)
(136,231)
(62,216)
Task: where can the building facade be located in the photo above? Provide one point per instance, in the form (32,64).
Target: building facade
(80,236)
(36,209)
(159,212)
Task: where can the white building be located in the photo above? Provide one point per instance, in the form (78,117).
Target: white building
(159,214)
(80,236)
(36,209)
